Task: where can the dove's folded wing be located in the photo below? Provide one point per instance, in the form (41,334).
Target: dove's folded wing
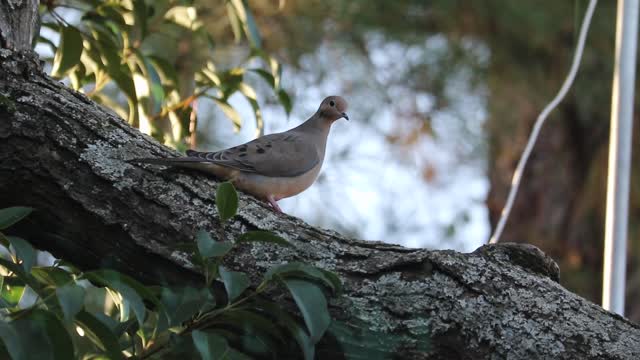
(277,155)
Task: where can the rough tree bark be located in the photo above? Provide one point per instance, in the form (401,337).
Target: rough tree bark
(65,155)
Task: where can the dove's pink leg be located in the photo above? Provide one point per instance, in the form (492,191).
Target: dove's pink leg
(274,203)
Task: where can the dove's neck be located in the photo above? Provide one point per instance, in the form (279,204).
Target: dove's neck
(316,122)
(319,126)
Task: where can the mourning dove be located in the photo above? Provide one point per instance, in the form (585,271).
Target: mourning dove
(274,166)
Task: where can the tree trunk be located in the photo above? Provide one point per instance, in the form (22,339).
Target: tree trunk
(66,156)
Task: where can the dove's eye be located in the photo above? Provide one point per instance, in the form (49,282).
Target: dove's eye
(332,103)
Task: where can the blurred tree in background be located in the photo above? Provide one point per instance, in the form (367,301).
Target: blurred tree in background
(151,61)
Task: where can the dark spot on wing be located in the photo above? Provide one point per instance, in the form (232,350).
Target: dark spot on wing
(243,148)
(261,150)
(243,155)
(268,145)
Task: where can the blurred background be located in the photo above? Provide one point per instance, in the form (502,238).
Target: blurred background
(442,95)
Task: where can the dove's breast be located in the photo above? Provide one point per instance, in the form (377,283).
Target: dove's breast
(280,187)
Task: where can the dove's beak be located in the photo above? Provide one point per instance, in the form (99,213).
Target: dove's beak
(344,115)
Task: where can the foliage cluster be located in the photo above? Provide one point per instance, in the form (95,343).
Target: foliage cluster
(151,61)
(61,312)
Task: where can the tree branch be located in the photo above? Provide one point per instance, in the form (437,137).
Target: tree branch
(66,156)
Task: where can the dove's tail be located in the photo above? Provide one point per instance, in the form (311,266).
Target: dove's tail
(191,163)
(167,161)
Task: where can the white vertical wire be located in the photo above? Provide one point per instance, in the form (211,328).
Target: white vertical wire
(517,175)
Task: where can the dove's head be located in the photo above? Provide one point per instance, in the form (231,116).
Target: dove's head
(333,108)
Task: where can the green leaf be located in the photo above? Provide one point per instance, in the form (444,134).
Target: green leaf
(226,201)
(99,334)
(235,282)
(230,112)
(23,276)
(334,279)
(250,94)
(50,275)
(234,20)
(4,241)
(71,298)
(182,304)
(68,53)
(165,69)
(262,236)
(285,101)
(295,330)
(207,247)
(109,57)
(298,269)
(185,16)
(11,339)
(140,13)
(24,251)
(266,76)
(12,215)
(132,291)
(259,335)
(249,26)
(44,323)
(210,346)
(312,304)
(12,290)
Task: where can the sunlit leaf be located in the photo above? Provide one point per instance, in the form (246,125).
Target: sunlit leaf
(234,20)
(262,236)
(24,251)
(312,304)
(247,21)
(166,70)
(251,96)
(99,334)
(11,215)
(26,278)
(226,201)
(68,53)
(12,290)
(235,282)
(230,81)
(185,16)
(71,298)
(230,112)
(132,291)
(109,51)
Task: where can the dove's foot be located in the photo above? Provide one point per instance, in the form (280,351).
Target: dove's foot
(274,203)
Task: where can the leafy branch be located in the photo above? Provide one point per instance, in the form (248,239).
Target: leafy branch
(70,314)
